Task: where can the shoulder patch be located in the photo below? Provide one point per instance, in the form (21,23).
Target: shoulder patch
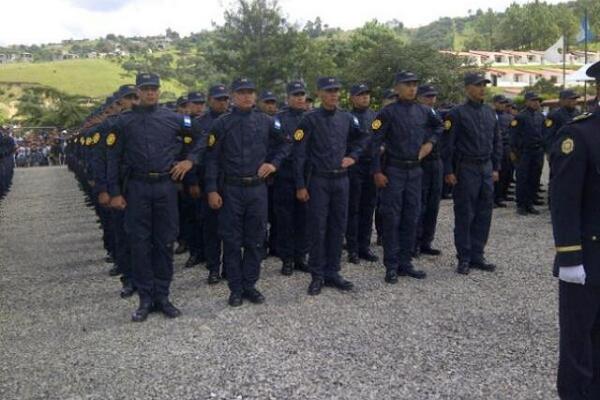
(298,135)
(376,124)
(276,123)
(548,123)
(187,139)
(187,121)
(514,123)
(88,141)
(567,146)
(355,121)
(212,139)
(581,117)
(82,140)
(447,125)
(96,138)
(111,139)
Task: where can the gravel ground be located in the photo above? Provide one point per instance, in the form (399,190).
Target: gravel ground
(66,334)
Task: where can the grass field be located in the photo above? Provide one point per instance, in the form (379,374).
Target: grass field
(94,78)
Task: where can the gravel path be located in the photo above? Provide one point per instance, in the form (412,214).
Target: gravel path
(66,334)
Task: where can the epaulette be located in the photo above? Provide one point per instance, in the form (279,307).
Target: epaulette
(581,117)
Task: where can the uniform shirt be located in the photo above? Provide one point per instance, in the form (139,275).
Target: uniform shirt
(148,140)
(575,196)
(365,120)
(526,131)
(289,119)
(99,160)
(323,139)
(554,122)
(240,142)
(471,130)
(504,120)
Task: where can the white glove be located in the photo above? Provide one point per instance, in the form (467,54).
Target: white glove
(574,274)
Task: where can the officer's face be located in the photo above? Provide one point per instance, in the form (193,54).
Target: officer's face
(406,90)
(570,103)
(428,100)
(499,106)
(218,105)
(196,108)
(297,101)
(148,95)
(129,101)
(533,104)
(244,99)
(269,107)
(330,98)
(362,100)
(476,92)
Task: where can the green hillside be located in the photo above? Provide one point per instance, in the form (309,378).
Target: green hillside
(87,77)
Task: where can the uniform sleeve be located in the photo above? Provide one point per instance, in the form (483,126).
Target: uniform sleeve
(358,139)
(436,127)
(569,160)
(549,131)
(213,153)
(516,134)
(301,137)
(448,141)
(115,145)
(194,148)
(280,144)
(498,149)
(380,127)
(99,161)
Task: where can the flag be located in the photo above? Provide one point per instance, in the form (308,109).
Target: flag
(584,27)
(554,54)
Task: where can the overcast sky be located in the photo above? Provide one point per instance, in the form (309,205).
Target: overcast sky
(49,21)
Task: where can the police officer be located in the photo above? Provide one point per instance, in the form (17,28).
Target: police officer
(145,144)
(575,195)
(268,103)
(218,103)
(527,143)
(327,142)
(363,194)
(245,147)
(506,168)
(472,151)
(558,118)
(290,213)
(408,131)
(433,178)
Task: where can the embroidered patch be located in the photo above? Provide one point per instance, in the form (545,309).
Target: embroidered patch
(567,146)
(111,139)
(447,124)
(514,123)
(187,139)
(96,138)
(298,135)
(549,123)
(212,139)
(376,124)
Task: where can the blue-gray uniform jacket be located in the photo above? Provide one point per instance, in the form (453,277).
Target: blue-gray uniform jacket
(471,132)
(147,140)
(504,120)
(554,122)
(365,119)
(323,139)
(526,131)
(240,142)
(289,119)
(575,196)
(402,128)
(99,160)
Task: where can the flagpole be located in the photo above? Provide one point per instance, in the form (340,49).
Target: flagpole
(585,56)
(564,51)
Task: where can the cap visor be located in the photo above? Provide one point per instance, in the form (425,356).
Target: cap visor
(329,87)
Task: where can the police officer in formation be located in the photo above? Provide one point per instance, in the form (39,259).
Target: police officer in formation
(575,195)
(502,186)
(7,162)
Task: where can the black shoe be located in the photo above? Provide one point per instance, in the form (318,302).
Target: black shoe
(509,198)
(540,190)
(181,248)
(522,211)
(192,261)
(482,265)
(213,278)
(463,268)
(416,253)
(538,203)
(446,196)
(253,295)
(499,204)
(109,259)
(353,258)
(301,265)
(391,277)
(115,271)
(532,210)
(128,289)
(315,287)
(368,255)
(339,283)
(141,314)
(167,308)
(235,299)
(287,268)
(430,251)
(410,271)
(379,241)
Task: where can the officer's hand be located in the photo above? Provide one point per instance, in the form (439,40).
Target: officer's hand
(118,202)
(215,201)
(575,274)
(348,162)
(103,199)
(451,180)
(265,170)
(513,156)
(381,180)
(302,195)
(495,176)
(180,169)
(425,150)
(194,191)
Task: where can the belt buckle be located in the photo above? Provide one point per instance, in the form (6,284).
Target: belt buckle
(153,174)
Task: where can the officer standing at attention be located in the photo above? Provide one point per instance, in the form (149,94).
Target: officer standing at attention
(245,147)
(268,103)
(472,151)
(432,181)
(575,195)
(327,142)
(408,131)
(290,213)
(145,144)
(506,168)
(558,118)
(527,142)
(363,194)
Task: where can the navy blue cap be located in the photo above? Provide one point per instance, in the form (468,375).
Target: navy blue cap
(296,87)
(109,100)
(310,98)
(181,101)
(359,88)
(267,95)
(389,94)
(328,82)
(126,90)
(171,105)
(500,98)
(475,78)
(218,91)
(196,97)
(426,91)
(531,96)
(568,94)
(594,71)
(147,79)
(242,84)
(405,76)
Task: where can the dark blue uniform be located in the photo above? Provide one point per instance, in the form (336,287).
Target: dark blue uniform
(506,167)
(472,150)
(575,196)
(322,140)
(402,128)
(7,149)
(239,143)
(143,148)
(554,122)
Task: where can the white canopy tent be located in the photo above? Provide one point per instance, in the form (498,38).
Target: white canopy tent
(580,75)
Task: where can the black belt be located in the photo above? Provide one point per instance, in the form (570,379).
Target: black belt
(244,180)
(403,164)
(430,158)
(332,173)
(151,177)
(474,160)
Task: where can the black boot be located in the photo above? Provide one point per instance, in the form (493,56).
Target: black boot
(287,268)
(142,312)
(128,289)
